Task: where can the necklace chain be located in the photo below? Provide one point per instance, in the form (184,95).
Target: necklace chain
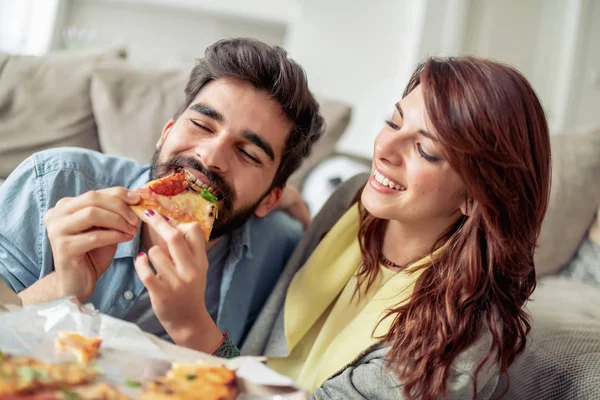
(388,262)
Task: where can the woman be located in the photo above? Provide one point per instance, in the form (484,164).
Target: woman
(418,289)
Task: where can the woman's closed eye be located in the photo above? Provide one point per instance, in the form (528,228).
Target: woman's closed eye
(422,152)
(426,156)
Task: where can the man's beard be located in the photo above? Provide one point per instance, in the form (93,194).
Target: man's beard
(228,218)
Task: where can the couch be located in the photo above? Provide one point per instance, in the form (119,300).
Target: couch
(99,100)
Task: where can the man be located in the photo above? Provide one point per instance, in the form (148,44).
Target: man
(67,229)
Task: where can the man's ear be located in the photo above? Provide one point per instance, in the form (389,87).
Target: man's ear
(165,133)
(270,201)
(466,207)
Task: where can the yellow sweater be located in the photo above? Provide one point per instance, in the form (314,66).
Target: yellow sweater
(326,328)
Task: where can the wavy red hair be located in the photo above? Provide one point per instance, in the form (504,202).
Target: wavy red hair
(494,134)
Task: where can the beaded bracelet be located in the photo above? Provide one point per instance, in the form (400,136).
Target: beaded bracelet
(226,349)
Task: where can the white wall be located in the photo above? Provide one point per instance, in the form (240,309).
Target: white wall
(13,25)
(364,51)
(163,35)
(505,30)
(352,51)
(554,43)
(271,11)
(28,26)
(584,110)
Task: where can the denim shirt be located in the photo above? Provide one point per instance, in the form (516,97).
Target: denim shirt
(46,177)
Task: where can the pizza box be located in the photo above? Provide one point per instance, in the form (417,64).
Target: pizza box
(127,353)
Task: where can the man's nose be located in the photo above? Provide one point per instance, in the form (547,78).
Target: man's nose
(215,154)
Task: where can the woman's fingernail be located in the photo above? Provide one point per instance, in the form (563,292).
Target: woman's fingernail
(149,213)
(141,253)
(167,219)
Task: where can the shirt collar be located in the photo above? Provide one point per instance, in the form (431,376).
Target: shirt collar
(240,240)
(132,248)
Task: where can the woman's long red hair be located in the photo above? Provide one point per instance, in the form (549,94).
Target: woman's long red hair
(492,128)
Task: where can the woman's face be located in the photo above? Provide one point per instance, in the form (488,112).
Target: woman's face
(411,182)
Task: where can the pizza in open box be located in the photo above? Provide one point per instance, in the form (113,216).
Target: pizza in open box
(193,381)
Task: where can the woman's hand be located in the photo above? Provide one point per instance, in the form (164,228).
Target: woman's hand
(178,287)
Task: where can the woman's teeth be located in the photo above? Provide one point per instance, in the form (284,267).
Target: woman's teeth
(386,182)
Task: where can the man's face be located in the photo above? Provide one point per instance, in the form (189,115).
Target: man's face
(231,138)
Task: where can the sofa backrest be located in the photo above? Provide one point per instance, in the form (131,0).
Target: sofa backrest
(45,102)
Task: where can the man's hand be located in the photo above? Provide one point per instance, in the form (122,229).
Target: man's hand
(84,232)
(293,204)
(177,289)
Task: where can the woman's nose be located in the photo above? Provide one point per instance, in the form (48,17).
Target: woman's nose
(389,148)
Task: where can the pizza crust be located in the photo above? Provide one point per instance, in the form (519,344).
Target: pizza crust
(46,381)
(83,347)
(27,374)
(193,381)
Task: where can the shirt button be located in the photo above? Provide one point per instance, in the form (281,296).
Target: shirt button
(128,295)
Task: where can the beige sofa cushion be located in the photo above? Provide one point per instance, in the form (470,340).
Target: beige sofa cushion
(131,106)
(574,199)
(594,234)
(45,102)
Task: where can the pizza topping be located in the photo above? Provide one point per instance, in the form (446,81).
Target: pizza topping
(133,384)
(28,374)
(97,369)
(170,185)
(209,196)
(165,202)
(70,395)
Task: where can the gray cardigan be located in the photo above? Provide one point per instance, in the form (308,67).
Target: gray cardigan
(365,377)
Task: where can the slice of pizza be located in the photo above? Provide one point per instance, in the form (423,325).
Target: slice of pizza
(180,199)
(193,381)
(90,391)
(97,390)
(26,375)
(83,347)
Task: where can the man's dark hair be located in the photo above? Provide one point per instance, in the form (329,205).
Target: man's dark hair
(269,68)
